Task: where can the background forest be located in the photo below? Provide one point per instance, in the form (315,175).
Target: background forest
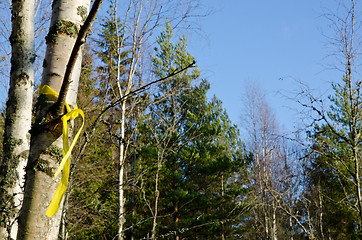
(159,158)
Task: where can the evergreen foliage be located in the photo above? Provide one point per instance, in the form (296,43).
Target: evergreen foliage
(186,139)
(193,149)
(337,144)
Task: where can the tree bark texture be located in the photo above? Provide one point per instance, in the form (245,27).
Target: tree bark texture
(18,116)
(46,144)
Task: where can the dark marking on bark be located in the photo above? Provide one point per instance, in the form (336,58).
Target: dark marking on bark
(22,79)
(32,57)
(53,74)
(45,63)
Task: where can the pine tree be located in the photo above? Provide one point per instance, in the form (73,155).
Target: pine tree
(334,167)
(191,158)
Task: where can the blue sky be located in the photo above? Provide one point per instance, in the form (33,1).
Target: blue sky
(263,41)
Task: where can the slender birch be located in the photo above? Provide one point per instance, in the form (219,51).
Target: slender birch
(18,116)
(139,34)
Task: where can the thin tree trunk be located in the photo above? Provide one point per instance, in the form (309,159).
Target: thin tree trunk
(18,116)
(222,194)
(121,175)
(177,220)
(45,143)
(320,198)
(266,220)
(358,185)
(133,194)
(274,227)
(157,195)
(122,200)
(291,228)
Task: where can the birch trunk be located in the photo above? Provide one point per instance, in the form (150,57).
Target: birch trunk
(18,116)
(122,200)
(129,85)
(274,222)
(46,144)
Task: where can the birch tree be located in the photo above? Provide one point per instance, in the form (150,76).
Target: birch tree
(18,116)
(273,181)
(261,124)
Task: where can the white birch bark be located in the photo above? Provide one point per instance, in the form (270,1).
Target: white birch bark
(18,116)
(129,86)
(40,186)
(122,199)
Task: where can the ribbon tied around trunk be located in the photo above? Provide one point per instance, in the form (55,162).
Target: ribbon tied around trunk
(65,162)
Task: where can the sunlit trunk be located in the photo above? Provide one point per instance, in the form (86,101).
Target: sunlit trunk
(274,222)
(121,175)
(18,116)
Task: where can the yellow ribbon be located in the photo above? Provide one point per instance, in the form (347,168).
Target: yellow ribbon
(65,163)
